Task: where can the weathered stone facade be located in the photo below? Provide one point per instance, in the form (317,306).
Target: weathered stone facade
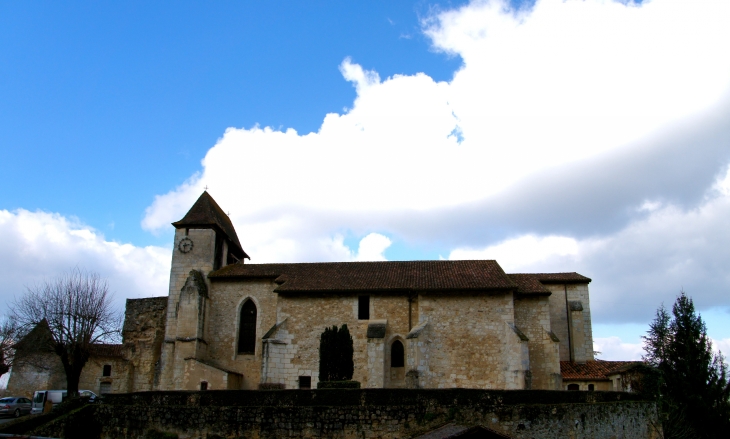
(454,324)
(457,328)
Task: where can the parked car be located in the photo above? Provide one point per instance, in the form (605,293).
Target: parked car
(41,396)
(93,397)
(15,406)
(56,397)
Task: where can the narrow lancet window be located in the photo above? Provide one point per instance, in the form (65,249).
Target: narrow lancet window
(247,329)
(397,354)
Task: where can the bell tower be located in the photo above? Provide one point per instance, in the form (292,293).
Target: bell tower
(205,240)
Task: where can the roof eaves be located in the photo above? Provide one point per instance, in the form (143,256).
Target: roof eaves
(283,289)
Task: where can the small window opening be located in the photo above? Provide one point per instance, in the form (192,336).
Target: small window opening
(203,385)
(591,387)
(573,387)
(397,354)
(305,382)
(363,308)
(107,371)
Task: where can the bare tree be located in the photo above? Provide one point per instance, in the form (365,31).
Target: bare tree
(77,307)
(8,337)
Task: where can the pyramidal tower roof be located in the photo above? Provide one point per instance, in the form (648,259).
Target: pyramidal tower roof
(207,213)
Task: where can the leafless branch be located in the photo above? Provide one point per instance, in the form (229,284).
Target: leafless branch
(77,309)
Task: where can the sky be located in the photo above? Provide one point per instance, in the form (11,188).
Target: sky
(553,136)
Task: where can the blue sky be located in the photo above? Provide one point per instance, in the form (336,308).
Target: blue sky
(105,105)
(587,136)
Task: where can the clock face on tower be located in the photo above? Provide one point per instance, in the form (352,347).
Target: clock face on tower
(185,245)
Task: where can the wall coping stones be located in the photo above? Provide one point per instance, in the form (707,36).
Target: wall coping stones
(576,305)
(519,333)
(417,330)
(365,397)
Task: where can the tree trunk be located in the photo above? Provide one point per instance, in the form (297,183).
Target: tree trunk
(73,365)
(73,375)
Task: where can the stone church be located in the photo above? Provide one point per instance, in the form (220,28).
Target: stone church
(230,324)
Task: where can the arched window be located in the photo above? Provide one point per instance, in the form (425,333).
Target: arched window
(247,329)
(397,354)
(573,387)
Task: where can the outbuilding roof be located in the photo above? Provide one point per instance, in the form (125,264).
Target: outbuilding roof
(390,276)
(106,350)
(207,213)
(594,370)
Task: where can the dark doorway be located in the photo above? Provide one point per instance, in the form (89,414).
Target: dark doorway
(397,354)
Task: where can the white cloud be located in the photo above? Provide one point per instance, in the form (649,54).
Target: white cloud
(723,346)
(542,94)
(614,349)
(525,251)
(564,82)
(640,266)
(38,246)
(372,248)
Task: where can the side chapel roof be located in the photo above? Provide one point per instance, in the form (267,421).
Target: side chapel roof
(561,278)
(207,213)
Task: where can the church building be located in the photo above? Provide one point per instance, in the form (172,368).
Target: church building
(231,324)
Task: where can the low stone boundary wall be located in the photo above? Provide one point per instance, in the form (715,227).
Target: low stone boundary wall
(364,413)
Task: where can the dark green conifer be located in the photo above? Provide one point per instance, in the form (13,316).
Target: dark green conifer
(694,392)
(335,354)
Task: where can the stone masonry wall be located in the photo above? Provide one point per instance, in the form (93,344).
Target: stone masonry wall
(92,375)
(143,334)
(471,342)
(307,317)
(532,316)
(381,413)
(582,328)
(581,336)
(223,318)
(42,371)
(201,258)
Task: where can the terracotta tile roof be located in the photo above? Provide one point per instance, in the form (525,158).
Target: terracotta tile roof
(594,370)
(106,350)
(561,278)
(391,276)
(528,284)
(206,212)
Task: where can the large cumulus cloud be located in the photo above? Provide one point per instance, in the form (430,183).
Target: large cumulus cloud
(577,135)
(38,246)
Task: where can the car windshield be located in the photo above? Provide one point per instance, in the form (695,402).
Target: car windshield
(7,400)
